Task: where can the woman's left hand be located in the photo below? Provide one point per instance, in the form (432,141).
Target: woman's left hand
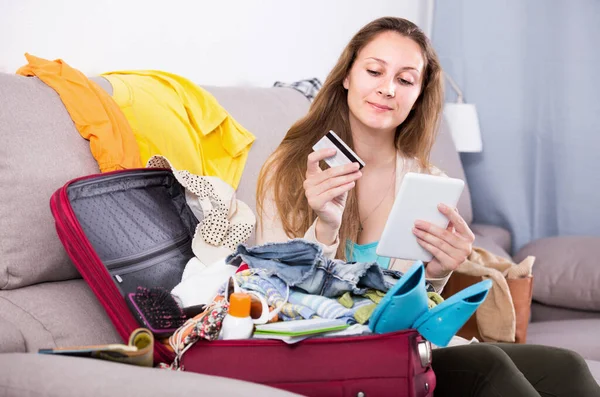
(450,247)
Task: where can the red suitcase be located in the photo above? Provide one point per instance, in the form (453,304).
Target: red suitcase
(130,228)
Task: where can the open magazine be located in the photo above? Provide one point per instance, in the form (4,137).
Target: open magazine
(138,351)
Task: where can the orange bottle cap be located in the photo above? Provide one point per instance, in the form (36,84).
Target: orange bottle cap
(239,304)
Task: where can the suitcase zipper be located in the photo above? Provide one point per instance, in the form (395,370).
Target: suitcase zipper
(141,257)
(119,271)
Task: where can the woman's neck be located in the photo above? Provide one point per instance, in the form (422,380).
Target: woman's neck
(377,148)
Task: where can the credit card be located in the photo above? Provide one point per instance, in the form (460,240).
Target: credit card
(344,155)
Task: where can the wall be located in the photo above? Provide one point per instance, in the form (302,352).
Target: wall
(237,42)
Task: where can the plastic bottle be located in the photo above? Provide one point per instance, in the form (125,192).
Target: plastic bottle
(238,324)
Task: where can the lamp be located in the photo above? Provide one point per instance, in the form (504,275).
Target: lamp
(463,122)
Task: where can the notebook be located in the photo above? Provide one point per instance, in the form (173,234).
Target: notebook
(297,328)
(356,329)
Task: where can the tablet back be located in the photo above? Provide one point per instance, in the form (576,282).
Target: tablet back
(417,199)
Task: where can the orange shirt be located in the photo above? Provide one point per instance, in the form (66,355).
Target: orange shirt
(96,115)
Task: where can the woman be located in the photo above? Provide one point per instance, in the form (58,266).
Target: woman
(384,98)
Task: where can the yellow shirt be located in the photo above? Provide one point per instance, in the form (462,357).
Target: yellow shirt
(173,117)
(95,115)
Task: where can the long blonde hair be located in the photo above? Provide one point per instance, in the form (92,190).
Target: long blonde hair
(283,173)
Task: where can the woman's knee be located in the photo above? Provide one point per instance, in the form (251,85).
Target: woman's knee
(567,360)
(544,354)
(494,357)
(476,369)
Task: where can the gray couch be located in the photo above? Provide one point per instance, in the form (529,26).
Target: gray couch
(44,302)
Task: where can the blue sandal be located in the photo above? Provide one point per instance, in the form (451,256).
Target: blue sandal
(404,303)
(442,322)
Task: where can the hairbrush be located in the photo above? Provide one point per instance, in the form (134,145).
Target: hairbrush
(156,309)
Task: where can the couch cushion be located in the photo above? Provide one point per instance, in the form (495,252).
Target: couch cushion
(266,112)
(541,312)
(28,375)
(489,244)
(566,271)
(40,151)
(445,157)
(60,313)
(497,234)
(11,338)
(578,335)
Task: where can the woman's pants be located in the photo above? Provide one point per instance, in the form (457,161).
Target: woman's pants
(511,370)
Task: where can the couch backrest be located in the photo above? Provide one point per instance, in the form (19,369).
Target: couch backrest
(40,150)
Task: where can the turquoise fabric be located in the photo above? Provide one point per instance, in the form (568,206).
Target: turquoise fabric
(365,253)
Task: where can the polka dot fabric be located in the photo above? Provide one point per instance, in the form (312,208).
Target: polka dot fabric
(226,222)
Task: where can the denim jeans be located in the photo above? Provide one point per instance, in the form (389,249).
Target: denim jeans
(301,264)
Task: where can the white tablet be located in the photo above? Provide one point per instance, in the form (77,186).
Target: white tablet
(417,198)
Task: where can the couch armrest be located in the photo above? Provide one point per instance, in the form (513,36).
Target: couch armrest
(11,339)
(566,271)
(497,234)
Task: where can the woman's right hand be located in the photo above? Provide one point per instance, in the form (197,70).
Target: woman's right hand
(326,191)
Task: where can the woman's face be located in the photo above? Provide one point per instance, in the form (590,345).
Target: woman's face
(384,82)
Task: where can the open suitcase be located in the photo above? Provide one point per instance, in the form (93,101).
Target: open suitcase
(134,228)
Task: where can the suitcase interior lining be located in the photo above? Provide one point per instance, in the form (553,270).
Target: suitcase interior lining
(139,225)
